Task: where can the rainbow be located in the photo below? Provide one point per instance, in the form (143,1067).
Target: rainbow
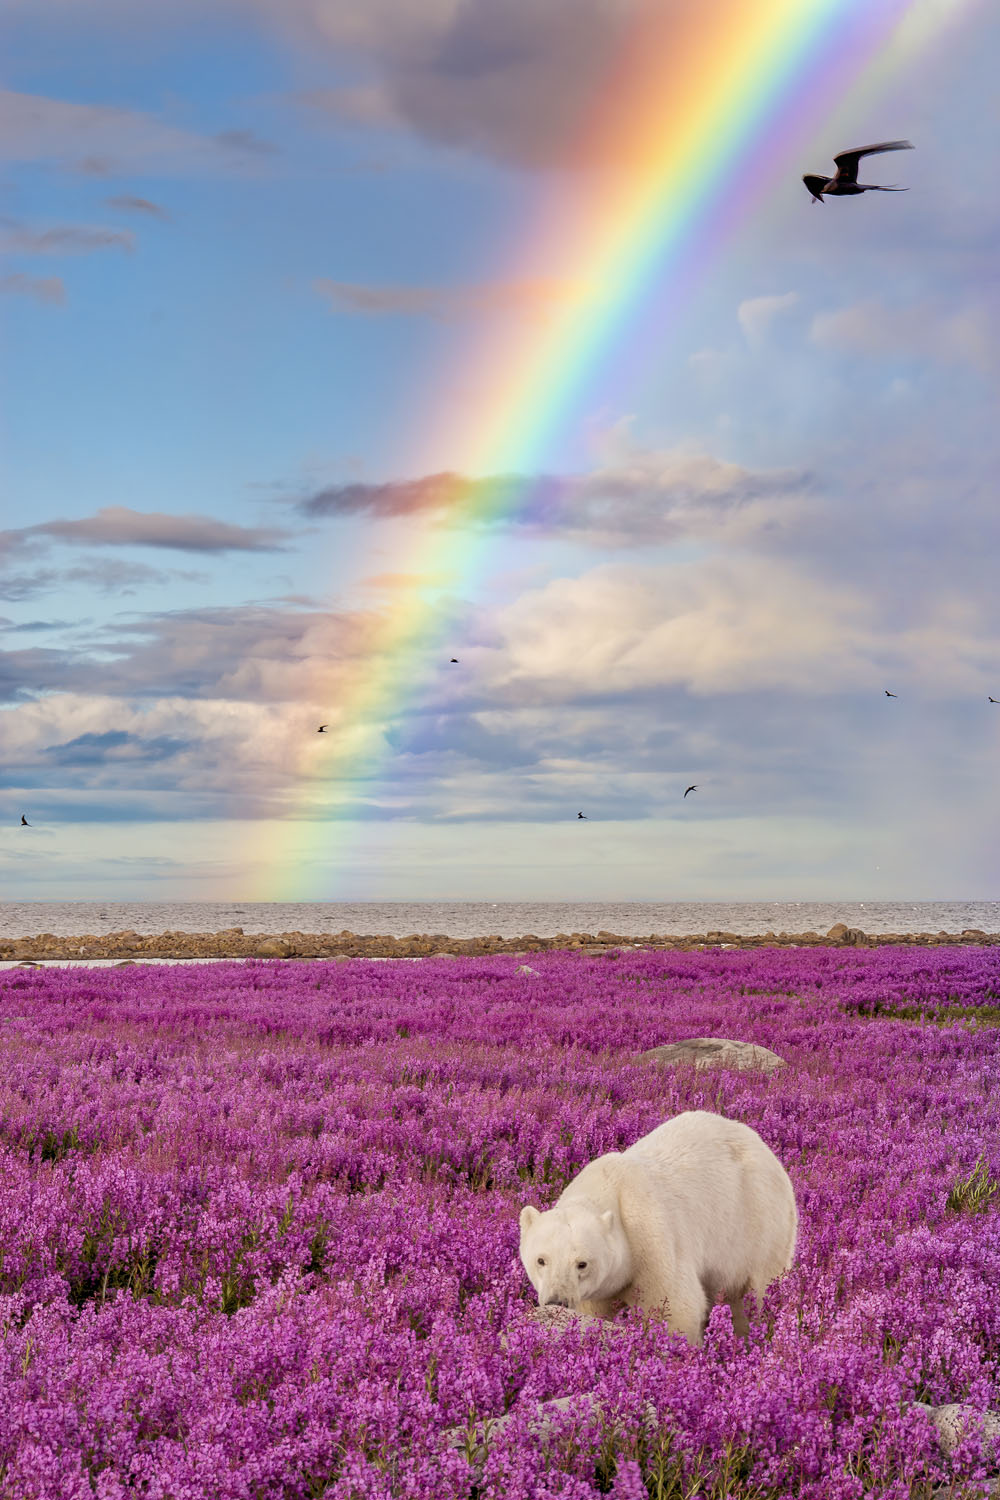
(701,113)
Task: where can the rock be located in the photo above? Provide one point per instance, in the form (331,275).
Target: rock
(273,949)
(851,937)
(565,1317)
(957,1420)
(525,969)
(444,955)
(545,1421)
(714,1052)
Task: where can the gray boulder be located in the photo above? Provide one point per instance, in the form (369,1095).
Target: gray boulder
(704,1052)
(957,1420)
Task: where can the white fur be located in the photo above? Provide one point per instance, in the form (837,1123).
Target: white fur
(696,1212)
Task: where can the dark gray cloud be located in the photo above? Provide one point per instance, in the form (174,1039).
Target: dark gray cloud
(33,626)
(27,673)
(247,142)
(62,239)
(94,166)
(128,203)
(515,81)
(119,526)
(109,576)
(255,654)
(115,745)
(101,140)
(16,587)
(50,289)
(645,497)
(525,297)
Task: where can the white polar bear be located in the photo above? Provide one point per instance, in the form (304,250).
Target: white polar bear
(698,1211)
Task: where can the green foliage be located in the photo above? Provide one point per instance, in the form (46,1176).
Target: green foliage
(49,1145)
(975,1193)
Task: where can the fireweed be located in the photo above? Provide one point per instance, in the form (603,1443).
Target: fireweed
(258,1227)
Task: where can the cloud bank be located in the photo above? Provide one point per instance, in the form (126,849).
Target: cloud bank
(118,526)
(648,497)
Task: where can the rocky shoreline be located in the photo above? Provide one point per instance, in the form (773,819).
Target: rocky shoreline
(235,943)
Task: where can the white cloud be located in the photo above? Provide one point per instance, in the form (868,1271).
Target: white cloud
(756,314)
(719,625)
(921,330)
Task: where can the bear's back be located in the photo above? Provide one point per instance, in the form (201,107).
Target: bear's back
(696,1132)
(696,1150)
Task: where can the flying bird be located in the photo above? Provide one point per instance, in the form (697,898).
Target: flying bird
(690,789)
(322,729)
(454,661)
(844,183)
(24,822)
(890,695)
(582,815)
(992,700)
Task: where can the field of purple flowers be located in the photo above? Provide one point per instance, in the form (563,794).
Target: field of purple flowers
(258,1227)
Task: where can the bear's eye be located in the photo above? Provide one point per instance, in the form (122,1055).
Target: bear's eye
(541,1260)
(581,1265)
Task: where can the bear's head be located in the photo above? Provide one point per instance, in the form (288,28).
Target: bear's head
(573,1254)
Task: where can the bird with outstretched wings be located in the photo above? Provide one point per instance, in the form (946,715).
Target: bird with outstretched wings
(844,182)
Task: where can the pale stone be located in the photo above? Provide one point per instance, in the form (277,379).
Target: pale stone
(714,1052)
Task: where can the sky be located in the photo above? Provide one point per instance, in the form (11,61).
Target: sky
(315,376)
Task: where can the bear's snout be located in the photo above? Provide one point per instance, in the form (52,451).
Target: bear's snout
(556,1302)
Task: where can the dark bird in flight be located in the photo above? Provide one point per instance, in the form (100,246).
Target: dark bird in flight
(454,661)
(690,789)
(844,183)
(890,695)
(322,729)
(24,822)
(582,815)
(992,700)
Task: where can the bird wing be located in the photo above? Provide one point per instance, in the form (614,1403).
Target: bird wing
(847,161)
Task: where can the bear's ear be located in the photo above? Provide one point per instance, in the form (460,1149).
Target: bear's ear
(528,1217)
(608,1219)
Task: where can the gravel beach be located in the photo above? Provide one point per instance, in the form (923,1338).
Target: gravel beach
(233,942)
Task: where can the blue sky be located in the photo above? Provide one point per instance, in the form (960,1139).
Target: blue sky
(243,245)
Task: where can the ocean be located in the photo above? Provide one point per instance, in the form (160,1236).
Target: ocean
(460,919)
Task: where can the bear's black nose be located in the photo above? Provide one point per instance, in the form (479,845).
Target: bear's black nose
(556,1302)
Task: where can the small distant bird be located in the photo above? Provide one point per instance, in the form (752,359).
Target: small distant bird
(24,822)
(454,661)
(890,695)
(844,183)
(992,700)
(690,789)
(322,729)
(581,815)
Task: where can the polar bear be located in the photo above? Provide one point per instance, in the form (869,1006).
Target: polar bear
(698,1211)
